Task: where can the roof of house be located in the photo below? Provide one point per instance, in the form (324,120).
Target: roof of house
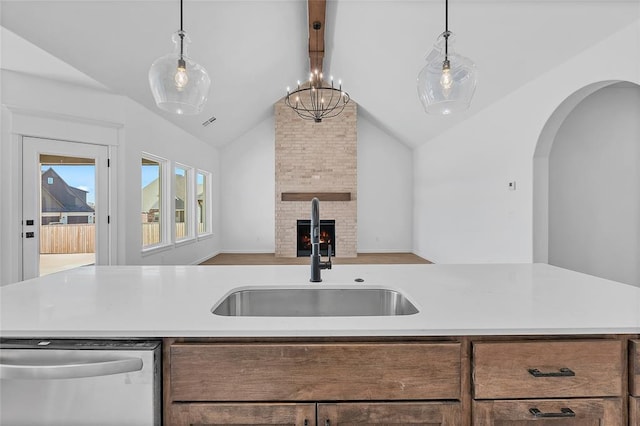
(58,196)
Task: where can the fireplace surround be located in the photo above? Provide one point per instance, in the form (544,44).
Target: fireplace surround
(316,160)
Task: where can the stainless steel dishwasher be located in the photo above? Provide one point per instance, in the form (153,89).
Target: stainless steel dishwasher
(80,382)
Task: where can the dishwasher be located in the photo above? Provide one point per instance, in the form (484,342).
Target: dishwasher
(80,382)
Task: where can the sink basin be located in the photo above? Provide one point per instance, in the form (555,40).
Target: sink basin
(313,302)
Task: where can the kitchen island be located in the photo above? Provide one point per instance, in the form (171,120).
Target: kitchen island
(453,300)
(490,343)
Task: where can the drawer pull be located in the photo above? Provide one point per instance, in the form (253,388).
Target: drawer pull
(563,372)
(564,412)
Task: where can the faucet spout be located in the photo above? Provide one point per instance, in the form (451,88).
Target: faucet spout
(316,262)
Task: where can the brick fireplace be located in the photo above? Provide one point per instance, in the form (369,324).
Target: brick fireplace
(316,159)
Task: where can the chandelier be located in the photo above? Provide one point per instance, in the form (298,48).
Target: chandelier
(448,81)
(316,100)
(179,85)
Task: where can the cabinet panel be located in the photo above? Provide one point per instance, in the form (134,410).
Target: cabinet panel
(314,371)
(242,414)
(547,369)
(569,412)
(401,413)
(634,411)
(634,367)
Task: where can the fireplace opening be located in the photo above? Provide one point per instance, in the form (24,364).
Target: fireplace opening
(327,236)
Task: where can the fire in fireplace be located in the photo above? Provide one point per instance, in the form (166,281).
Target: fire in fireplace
(327,236)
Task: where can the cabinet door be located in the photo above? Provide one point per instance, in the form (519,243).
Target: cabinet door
(241,414)
(634,411)
(552,412)
(634,367)
(400,413)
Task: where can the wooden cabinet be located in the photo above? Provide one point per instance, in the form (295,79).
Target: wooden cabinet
(564,382)
(634,383)
(315,371)
(412,383)
(546,369)
(634,367)
(552,412)
(241,414)
(634,411)
(399,413)
(479,381)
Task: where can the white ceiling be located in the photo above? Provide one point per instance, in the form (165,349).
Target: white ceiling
(254,49)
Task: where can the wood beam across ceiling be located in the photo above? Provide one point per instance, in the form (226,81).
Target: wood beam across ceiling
(317,11)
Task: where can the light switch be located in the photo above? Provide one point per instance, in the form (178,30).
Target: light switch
(512,185)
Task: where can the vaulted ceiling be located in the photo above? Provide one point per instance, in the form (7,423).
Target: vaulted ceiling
(254,49)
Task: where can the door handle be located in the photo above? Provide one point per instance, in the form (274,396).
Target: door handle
(69,371)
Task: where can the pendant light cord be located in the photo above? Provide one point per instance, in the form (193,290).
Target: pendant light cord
(181,33)
(446,30)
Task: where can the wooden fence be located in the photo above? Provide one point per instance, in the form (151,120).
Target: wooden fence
(63,239)
(81,238)
(151,232)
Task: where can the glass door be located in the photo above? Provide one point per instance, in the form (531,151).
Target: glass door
(64,206)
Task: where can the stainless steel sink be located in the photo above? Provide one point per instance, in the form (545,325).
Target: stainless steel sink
(313,302)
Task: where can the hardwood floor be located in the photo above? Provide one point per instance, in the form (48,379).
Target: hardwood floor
(271,259)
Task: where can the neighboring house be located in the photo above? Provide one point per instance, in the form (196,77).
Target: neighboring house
(151,200)
(62,203)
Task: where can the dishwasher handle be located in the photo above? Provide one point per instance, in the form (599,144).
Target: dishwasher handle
(69,371)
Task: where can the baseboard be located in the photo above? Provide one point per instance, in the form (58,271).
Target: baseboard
(247,252)
(197,262)
(424,256)
(385,251)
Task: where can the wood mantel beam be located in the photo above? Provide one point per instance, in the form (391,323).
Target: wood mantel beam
(317,12)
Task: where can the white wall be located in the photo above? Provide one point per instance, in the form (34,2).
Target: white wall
(384,191)
(594,187)
(463,211)
(46,108)
(248,191)
(145,131)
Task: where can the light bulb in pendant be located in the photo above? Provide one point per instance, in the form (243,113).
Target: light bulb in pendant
(446,79)
(181,78)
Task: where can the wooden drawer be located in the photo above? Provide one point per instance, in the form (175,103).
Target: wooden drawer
(242,414)
(390,413)
(547,369)
(567,412)
(634,367)
(316,371)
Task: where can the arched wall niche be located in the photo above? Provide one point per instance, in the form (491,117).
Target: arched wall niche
(574,143)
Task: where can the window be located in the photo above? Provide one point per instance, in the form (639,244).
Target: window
(183,202)
(153,211)
(203,183)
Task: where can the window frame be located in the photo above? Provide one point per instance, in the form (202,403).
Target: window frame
(164,190)
(190,216)
(208,217)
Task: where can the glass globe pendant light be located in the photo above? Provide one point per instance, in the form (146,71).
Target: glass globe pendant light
(448,81)
(179,85)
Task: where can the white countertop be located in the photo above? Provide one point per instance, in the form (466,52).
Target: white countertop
(176,301)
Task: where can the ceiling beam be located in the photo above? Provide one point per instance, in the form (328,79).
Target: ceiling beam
(317,10)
